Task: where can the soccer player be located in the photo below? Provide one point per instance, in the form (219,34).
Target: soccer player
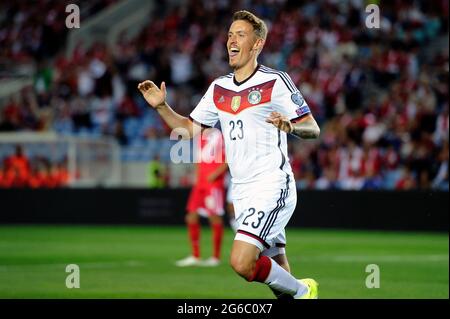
(206,198)
(257,107)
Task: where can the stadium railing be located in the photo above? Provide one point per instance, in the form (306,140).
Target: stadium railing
(90,162)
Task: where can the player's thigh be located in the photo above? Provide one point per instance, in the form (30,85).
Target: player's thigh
(278,247)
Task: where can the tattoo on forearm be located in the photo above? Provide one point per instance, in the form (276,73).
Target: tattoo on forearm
(305,130)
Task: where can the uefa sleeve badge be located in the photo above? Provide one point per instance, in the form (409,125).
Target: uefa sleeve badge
(297,98)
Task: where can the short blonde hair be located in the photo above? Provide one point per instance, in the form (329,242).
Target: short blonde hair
(259,26)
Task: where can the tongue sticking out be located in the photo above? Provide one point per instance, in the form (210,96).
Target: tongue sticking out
(234,52)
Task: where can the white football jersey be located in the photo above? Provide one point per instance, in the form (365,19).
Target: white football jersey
(256,151)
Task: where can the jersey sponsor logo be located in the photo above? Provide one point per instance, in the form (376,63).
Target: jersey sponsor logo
(235,102)
(254,97)
(297,98)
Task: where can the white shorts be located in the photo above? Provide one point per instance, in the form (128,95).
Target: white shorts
(263,217)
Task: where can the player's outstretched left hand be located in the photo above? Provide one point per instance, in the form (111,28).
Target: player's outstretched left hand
(280,121)
(154,96)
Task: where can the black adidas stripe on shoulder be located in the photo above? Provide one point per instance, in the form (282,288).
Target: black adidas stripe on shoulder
(283,75)
(229,75)
(286,78)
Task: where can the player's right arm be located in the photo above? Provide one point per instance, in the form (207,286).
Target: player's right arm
(156,98)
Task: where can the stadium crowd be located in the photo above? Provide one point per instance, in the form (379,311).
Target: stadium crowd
(379,95)
(34,30)
(18,170)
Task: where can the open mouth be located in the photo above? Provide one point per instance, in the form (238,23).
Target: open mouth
(233,52)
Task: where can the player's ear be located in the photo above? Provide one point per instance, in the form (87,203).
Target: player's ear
(258,44)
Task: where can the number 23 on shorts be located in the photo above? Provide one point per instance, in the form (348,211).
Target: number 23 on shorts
(253,218)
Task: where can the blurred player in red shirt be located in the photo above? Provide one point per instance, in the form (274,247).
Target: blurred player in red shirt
(207,197)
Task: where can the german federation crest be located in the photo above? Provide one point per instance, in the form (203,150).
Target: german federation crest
(254,97)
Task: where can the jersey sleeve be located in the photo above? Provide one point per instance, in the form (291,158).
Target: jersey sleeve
(288,100)
(206,112)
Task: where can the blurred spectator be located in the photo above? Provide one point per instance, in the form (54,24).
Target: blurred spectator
(17,166)
(407,180)
(34,30)
(156,170)
(440,181)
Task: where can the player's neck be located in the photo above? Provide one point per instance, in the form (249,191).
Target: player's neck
(242,73)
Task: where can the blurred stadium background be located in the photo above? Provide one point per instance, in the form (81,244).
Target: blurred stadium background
(78,145)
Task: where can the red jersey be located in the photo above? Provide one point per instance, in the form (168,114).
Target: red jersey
(210,154)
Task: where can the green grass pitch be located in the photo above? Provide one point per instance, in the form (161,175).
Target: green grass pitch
(138,262)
